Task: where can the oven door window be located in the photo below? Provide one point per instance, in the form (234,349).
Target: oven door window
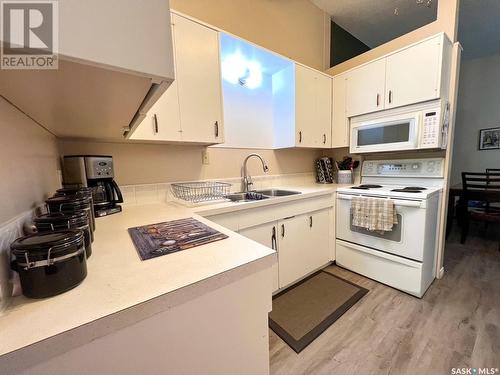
(385,134)
(393,235)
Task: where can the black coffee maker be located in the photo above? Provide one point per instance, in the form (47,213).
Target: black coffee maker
(97,173)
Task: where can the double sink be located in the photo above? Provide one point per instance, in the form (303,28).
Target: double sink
(258,195)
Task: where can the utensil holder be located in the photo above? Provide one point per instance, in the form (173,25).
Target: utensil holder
(344,177)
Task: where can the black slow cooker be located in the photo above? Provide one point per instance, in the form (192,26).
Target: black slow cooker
(49,263)
(60,221)
(72,203)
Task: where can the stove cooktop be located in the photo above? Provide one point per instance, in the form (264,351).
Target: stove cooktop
(411,192)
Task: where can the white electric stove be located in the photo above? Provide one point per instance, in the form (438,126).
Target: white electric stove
(404,257)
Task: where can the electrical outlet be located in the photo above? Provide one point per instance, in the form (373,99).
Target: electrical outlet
(205,157)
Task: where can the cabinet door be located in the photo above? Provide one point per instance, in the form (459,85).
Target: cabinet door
(198,79)
(323,122)
(306,133)
(340,121)
(313,108)
(162,122)
(319,225)
(293,245)
(413,74)
(265,234)
(365,88)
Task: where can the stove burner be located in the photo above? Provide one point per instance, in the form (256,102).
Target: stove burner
(366,187)
(414,188)
(406,190)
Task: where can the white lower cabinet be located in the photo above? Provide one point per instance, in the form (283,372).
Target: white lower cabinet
(265,234)
(293,246)
(303,243)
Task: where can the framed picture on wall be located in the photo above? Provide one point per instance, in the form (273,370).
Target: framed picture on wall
(489,139)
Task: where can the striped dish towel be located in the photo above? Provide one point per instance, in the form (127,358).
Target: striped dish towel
(373,214)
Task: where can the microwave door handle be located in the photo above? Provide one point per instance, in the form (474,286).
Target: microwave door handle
(117,191)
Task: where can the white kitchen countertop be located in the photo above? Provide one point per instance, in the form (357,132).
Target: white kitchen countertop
(118,280)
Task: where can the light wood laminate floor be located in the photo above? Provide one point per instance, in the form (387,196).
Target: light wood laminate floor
(456,324)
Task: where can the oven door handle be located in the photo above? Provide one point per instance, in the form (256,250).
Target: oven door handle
(397,202)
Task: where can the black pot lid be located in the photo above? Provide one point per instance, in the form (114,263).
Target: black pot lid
(75,217)
(79,192)
(68,200)
(42,242)
(70,190)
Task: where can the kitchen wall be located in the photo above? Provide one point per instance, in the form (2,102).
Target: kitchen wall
(28,171)
(447,21)
(478,108)
(344,46)
(294,28)
(150,163)
(29,162)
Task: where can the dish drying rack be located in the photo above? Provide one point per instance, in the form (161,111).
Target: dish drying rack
(195,193)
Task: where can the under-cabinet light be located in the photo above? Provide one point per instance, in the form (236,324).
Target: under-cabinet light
(237,70)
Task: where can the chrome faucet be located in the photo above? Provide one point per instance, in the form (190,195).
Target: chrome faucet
(247,180)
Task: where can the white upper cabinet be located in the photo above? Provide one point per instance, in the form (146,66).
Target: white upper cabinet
(103,33)
(415,74)
(191,109)
(162,122)
(198,76)
(115,58)
(365,88)
(418,73)
(340,121)
(313,108)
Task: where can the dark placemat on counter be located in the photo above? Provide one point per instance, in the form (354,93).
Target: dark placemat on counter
(159,239)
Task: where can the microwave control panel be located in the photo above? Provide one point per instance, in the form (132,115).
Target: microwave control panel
(431,129)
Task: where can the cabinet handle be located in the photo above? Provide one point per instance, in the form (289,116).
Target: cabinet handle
(155,123)
(273,240)
(216,128)
(310,221)
(390,96)
(324,139)
(300,137)
(378,99)
(282,230)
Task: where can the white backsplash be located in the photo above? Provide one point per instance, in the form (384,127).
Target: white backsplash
(157,193)
(9,281)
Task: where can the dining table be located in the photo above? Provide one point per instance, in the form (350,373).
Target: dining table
(457,191)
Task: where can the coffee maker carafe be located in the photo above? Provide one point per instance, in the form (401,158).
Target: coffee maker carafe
(97,173)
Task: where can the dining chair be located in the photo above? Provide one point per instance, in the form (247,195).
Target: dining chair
(488,206)
(483,187)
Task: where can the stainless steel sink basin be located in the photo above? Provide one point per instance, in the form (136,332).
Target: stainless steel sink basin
(277,192)
(246,197)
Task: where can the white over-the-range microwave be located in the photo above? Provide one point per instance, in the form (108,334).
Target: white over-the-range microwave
(415,127)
